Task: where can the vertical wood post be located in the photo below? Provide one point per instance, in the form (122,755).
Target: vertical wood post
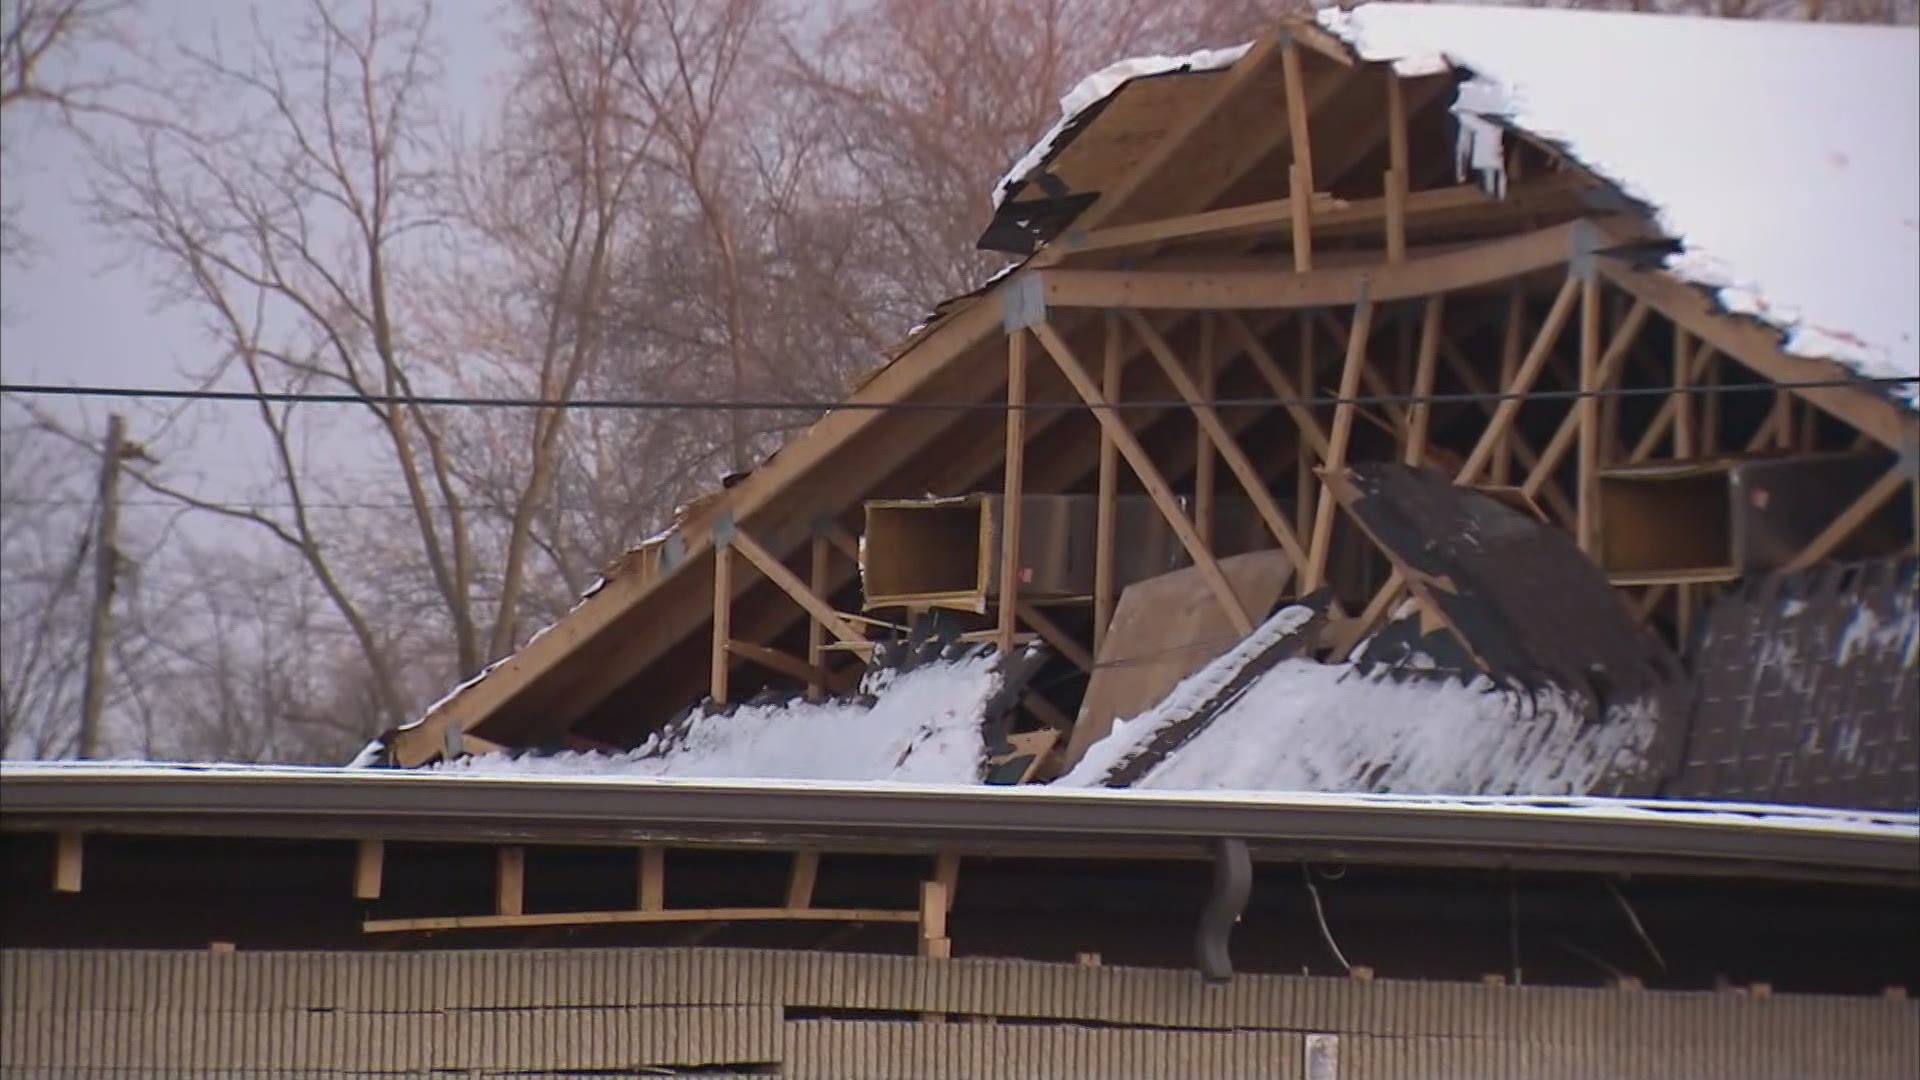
(722,613)
(369,863)
(1710,410)
(1013,488)
(1512,342)
(68,861)
(1396,178)
(106,563)
(510,881)
(1337,440)
(1103,592)
(1204,458)
(653,878)
(818,581)
(1420,415)
(1588,490)
(806,870)
(1300,175)
(1306,486)
(1683,445)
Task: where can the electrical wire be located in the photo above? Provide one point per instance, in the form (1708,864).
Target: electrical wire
(773,405)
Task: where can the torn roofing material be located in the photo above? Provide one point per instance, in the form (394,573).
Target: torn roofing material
(1784,158)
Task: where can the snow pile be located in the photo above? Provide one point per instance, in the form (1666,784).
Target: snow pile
(924,726)
(1101,85)
(1306,726)
(1784,157)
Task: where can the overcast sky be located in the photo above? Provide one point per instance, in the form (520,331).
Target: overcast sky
(79,312)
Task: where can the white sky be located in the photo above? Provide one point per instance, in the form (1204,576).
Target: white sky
(80,313)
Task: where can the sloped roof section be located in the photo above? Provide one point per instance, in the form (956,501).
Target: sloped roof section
(1783,157)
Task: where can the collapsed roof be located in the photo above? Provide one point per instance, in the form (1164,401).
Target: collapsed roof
(1167,187)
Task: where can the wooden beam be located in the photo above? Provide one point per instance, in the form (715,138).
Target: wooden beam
(806,868)
(946,865)
(1237,461)
(1512,346)
(369,860)
(1104,595)
(1306,482)
(1398,170)
(1420,415)
(1669,413)
(933,910)
(1283,387)
(1836,533)
(790,583)
(722,621)
(653,879)
(1300,189)
(1536,358)
(510,880)
(665,915)
(69,859)
(1757,347)
(1543,468)
(1544,198)
(1356,358)
(1053,634)
(1204,458)
(820,583)
(1516,445)
(1680,405)
(1587,469)
(1472,267)
(813,675)
(1012,488)
(1150,478)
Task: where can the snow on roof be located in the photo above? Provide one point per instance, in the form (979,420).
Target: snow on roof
(1101,85)
(1307,726)
(1784,157)
(924,725)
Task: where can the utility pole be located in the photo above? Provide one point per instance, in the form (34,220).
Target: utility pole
(106,564)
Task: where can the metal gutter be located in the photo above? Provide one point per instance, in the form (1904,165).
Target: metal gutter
(1593,835)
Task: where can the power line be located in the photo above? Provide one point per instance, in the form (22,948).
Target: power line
(773,405)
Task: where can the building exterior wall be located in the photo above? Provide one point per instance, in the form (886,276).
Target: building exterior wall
(73,1013)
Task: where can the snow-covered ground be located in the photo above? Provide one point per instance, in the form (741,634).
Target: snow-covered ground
(1784,156)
